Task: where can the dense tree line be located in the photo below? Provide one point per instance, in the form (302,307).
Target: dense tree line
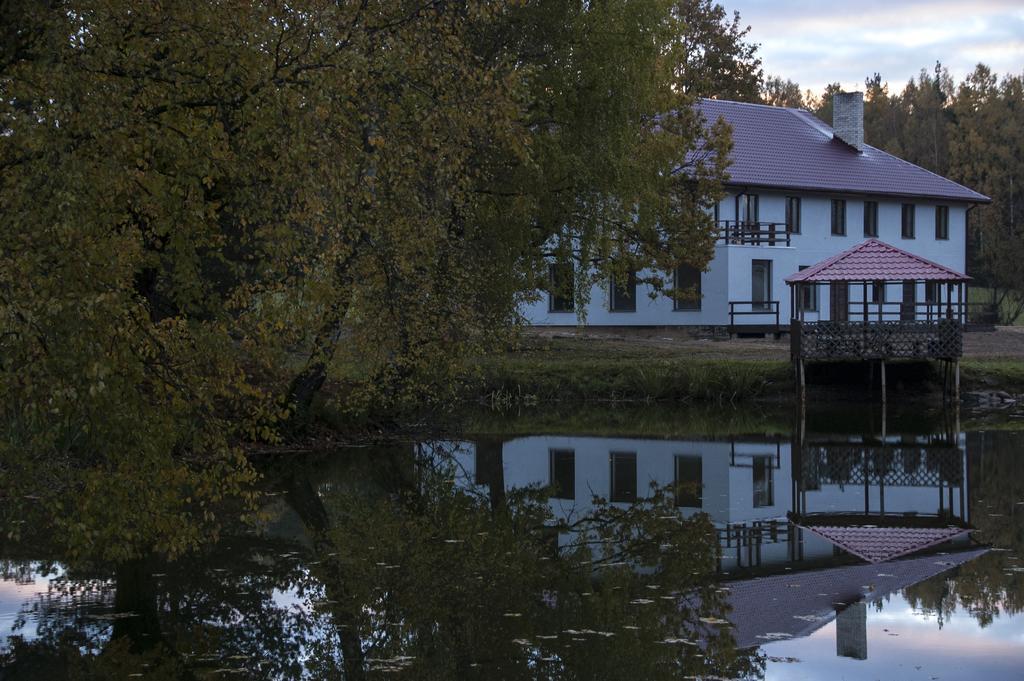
(971,132)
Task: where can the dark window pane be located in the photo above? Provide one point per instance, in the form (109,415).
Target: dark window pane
(839,217)
(941,222)
(623,298)
(689,482)
(761,284)
(623,476)
(560,295)
(764,481)
(793,214)
(746,208)
(688,279)
(908,221)
(563,473)
(871,218)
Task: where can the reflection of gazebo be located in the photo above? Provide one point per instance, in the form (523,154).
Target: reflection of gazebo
(862,323)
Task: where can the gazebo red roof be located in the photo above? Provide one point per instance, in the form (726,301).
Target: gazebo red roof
(877,544)
(874,260)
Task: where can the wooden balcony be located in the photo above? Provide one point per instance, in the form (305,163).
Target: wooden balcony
(753,233)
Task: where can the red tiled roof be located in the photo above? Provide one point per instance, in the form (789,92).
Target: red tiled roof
(877,544)
(791,149)
(874,260)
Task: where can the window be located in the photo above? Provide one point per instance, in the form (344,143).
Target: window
(746,208)
(808,295)
(689,481)
(623,476)
(563,473)
(932,292)
(942,222)
(761,285)
(764,481)
(839,217)
(908,221)
(687,278)
(871,218)
(623,293)
(793,214)
(560,293)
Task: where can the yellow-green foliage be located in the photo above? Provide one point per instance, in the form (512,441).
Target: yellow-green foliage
(203,201)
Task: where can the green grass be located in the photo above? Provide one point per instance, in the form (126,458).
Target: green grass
(574,371)
(992,374)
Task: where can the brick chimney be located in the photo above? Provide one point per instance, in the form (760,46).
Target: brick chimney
(848,118)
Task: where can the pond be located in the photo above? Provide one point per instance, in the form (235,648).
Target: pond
(645,543)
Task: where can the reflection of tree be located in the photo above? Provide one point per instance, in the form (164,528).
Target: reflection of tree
(989,585)
(407,573)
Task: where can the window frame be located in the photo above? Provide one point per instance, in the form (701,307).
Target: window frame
(942,223)
(616,495)
(748,200)
(699,494)
(569,303)
(556,488)
(908,218)
(613,288)
(687,305)
(765,304)
(871,225)
(838,219)
(793,217)
(768,489)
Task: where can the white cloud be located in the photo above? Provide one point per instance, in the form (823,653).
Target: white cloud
(816,43)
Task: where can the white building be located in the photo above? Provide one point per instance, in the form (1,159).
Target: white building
(799,192)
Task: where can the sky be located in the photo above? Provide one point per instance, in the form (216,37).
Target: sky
(815,42)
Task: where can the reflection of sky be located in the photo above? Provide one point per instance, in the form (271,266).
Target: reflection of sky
(913,648)
(814,43)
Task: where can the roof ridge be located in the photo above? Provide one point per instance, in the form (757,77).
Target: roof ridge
(758,104)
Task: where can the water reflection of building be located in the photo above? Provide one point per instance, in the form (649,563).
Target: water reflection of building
(873,498)
(811,528)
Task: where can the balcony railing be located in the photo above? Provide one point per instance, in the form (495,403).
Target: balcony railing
(753,233)
(747,308)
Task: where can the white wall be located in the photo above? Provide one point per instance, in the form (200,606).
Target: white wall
(729,275)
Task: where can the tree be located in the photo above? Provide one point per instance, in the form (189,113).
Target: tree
(779,92)
(984,154)
(209,212)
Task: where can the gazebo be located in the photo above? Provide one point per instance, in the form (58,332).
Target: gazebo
(863,324)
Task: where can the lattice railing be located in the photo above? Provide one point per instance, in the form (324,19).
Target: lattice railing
(941,339)
(895,466)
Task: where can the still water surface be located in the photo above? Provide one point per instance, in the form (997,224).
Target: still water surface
(836,544)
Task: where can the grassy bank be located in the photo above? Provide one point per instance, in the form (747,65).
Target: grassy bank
(572,370)
(993,374)
(564,370)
